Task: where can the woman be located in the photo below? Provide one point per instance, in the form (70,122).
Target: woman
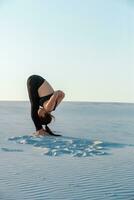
(43,101)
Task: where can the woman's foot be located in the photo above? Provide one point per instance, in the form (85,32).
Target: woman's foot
(41,132)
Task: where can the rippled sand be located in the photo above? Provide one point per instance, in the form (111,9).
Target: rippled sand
(89,162)
(58,146)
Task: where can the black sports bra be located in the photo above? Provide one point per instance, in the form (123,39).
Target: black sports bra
(45,98)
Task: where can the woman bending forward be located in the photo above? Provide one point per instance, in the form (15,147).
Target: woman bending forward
(43,101)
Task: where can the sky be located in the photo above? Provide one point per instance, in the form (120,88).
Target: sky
(83,47)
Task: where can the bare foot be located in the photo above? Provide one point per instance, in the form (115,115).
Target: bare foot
(41,132)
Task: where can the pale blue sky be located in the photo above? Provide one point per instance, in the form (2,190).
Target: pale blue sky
(84,47)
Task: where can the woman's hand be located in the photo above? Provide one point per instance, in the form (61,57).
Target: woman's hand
(41,132)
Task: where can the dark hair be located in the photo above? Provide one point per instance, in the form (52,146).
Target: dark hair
(47,120)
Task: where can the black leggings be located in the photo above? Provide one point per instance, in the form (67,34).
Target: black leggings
(33,84)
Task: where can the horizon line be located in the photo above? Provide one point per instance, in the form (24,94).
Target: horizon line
(77,101)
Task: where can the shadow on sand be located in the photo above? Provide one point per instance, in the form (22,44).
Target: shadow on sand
(57,146)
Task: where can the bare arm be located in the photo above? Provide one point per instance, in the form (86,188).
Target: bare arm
(54,101)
